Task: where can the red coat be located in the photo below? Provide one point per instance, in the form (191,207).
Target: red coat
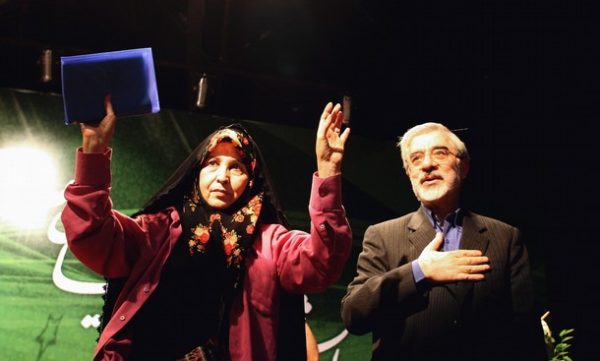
(115,245)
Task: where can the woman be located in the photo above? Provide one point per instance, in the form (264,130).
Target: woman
(209,268)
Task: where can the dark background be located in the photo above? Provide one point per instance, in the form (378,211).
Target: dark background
(518,74)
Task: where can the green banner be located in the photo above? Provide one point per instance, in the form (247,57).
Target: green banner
(50,303)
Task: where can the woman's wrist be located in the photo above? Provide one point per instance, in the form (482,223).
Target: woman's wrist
(328,169)
(92,145)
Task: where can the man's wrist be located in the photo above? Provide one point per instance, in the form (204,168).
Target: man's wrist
(418,274)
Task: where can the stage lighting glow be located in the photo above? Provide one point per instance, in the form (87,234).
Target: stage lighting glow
(28,186)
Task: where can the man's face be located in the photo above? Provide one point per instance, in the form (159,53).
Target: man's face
(434,170)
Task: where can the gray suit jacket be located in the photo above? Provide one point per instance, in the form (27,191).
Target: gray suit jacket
(487,320)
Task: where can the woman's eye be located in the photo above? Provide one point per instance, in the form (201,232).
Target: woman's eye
(237,169)
(211,162)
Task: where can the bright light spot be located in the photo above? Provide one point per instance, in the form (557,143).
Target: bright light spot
(28,186)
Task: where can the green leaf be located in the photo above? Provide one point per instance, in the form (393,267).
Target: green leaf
(566,332)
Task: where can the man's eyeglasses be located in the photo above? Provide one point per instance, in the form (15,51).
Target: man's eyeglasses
(438,155)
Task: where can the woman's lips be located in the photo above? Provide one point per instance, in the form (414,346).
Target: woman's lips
(218,191)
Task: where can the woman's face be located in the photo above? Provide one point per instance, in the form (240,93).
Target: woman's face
(223,177)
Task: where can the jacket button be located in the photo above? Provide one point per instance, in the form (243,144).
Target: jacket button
(122,318)
(146,289)
(321,226)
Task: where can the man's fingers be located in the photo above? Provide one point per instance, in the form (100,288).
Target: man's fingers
(474,260)
(471,273)
(467,253)
(473,277)
(475,269)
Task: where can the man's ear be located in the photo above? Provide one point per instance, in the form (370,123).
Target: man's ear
(464,167)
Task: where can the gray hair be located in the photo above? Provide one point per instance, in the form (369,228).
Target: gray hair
(425,128)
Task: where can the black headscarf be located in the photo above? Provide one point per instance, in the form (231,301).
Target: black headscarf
(172,193)
(232,228)
(291,336)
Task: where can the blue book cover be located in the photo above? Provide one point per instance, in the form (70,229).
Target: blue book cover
(127,75)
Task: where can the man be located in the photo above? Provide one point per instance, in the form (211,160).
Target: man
(443,283)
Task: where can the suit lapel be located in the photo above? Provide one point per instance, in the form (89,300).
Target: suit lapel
(474,234)
(474,237)
(420,231)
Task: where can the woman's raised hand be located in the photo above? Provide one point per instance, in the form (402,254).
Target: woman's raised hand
(330,143)
(96,137)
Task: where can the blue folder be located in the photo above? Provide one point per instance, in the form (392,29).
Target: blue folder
(127,75)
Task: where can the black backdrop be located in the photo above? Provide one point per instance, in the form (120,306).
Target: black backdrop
(520,75)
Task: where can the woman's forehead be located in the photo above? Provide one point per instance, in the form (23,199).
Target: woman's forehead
(226,148)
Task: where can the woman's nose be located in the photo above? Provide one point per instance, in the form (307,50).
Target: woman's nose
(222,174)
